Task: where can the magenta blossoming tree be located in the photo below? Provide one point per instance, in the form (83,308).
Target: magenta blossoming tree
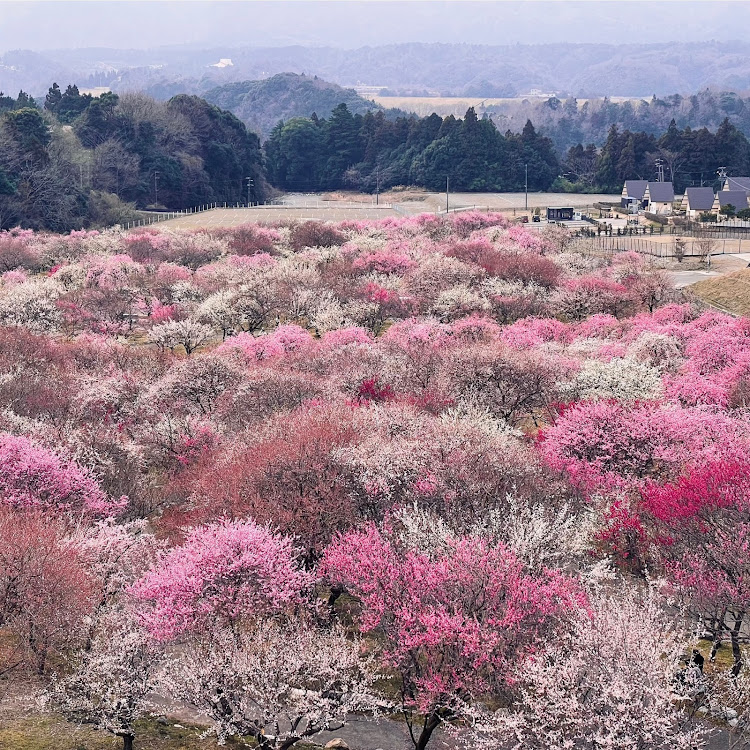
(455,624)
(701,531)
(34,477)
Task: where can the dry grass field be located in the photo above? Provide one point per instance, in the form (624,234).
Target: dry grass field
(730,292)
(454,105)
(232,217)
(340,206)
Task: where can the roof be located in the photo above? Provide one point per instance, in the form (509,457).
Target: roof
(635,188)
(660,192)
(699,198)
(736,198)
(738,183)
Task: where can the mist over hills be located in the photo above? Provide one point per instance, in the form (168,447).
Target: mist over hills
(638,70)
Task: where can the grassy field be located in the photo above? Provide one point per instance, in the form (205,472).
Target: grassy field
(340,206)
(50,732)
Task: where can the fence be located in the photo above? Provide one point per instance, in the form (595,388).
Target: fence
(155,217)
(661,249)
(322,204)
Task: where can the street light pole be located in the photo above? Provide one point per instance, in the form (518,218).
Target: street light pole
(526,188)
(447,187)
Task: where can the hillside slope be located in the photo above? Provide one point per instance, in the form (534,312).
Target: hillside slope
(730,292)
(261,104)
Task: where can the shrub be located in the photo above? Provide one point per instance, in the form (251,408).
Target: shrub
(250,239)
(315,234)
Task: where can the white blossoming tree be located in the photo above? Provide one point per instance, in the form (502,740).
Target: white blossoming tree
(186,333)
(110,683)
(277,683)
(615,682)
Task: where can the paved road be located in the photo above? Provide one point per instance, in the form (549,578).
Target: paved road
(685,278)
(361,734)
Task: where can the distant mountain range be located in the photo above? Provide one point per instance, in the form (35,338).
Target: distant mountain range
(638,70)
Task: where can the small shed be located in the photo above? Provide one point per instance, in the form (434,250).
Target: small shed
(736,198)
(659,197)
(697,200)
(560,213)
(737,183)
(633,190)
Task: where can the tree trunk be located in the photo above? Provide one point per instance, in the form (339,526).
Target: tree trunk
(715,647)
(336,592)
(734,634)
(718,626)
(127,741)
(431,723)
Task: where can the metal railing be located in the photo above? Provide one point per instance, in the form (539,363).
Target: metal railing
(664,249)
(155,217)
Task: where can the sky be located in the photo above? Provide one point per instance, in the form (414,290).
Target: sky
(141,24)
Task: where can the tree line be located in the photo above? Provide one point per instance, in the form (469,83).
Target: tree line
(74,161)
(81,160)
(369,152)
(569,121)
(690,157)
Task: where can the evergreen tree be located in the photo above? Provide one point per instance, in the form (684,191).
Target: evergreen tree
(53,98)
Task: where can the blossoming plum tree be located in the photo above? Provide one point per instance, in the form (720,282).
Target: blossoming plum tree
(112,681)
(609,682)
(223,572)
(277,682)
(456,622)
(46,593)
(701,526)
(33,477)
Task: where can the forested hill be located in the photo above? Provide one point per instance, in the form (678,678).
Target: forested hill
(362,151)
(261,104)
(569,121)
(72,162)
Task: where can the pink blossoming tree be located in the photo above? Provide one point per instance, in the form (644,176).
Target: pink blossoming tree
(456,623)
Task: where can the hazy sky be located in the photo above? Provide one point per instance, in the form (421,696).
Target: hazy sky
(27,24)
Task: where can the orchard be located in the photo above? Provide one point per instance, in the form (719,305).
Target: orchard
(444,470)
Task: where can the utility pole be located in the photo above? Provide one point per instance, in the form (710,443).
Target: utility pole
(156,188)
(250,183)
(526,188)
(447,187)
(377,187)
(659,170)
